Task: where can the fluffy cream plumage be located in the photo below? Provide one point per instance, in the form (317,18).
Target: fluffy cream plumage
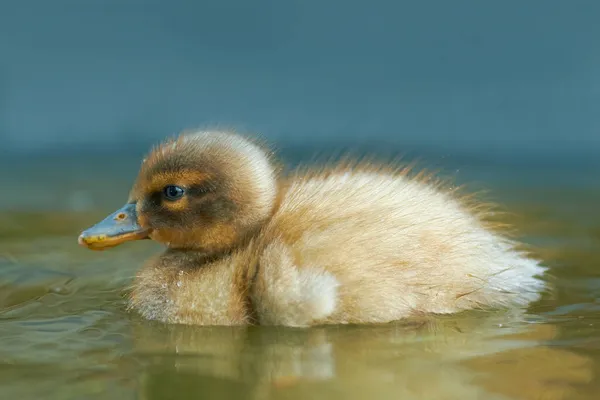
(350,243)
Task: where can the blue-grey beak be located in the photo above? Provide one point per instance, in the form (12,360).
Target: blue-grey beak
(119,227)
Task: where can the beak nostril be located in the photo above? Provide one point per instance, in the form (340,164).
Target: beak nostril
(121,216)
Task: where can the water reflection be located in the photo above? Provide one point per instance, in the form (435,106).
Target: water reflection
(471,357)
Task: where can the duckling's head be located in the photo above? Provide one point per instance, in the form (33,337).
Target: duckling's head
(203,190)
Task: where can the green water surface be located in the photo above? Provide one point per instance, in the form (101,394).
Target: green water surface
(65,333)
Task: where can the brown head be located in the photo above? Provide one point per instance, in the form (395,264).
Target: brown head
(203,191)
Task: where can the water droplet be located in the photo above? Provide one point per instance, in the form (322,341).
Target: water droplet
(179,284)
(59,290)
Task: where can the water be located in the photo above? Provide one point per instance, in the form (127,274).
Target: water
(66,335)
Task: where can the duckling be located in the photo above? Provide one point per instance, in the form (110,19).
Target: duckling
(352,243)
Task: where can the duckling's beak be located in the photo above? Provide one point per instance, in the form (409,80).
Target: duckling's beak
(119,227)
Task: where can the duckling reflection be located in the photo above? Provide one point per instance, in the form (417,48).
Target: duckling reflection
(424,358)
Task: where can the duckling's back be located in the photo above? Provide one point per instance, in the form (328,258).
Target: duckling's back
(367,245)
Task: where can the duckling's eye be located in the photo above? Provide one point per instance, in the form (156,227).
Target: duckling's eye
(173,192)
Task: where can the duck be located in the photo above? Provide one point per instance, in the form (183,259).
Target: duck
(349,242)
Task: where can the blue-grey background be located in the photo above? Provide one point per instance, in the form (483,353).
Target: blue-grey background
(511,79)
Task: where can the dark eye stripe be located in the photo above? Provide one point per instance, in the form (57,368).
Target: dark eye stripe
(155,199)
(200,190)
